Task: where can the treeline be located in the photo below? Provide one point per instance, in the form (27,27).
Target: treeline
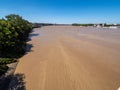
(76,24)
(37,25)
(100,24)
(13,33)
(108,25)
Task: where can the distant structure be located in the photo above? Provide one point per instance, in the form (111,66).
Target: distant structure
(104,25)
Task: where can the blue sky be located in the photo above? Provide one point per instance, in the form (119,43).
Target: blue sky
(63,11)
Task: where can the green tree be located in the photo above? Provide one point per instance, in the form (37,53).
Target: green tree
(13,33)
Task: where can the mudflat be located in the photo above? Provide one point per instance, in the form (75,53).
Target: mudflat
(72,58)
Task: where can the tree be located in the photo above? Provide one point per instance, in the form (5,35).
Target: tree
(13,33)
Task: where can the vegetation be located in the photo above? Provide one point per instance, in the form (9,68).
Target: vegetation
(3,66)
(101,24)
(14,31)
(76,24)
(37,25)
(6,61)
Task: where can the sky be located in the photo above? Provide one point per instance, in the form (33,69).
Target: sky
(63,11)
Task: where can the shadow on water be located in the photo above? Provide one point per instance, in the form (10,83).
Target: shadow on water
(17,82)
(33,35)
(28,48)
(29,39)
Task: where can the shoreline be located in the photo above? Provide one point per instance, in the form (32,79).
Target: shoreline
(6,78)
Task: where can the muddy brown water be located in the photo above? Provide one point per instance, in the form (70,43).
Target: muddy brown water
(72,58)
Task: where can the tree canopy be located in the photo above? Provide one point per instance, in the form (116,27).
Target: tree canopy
(13,33)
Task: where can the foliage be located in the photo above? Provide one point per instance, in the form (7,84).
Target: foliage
(13,33)
(3,64)
(6,61)
(75,24)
